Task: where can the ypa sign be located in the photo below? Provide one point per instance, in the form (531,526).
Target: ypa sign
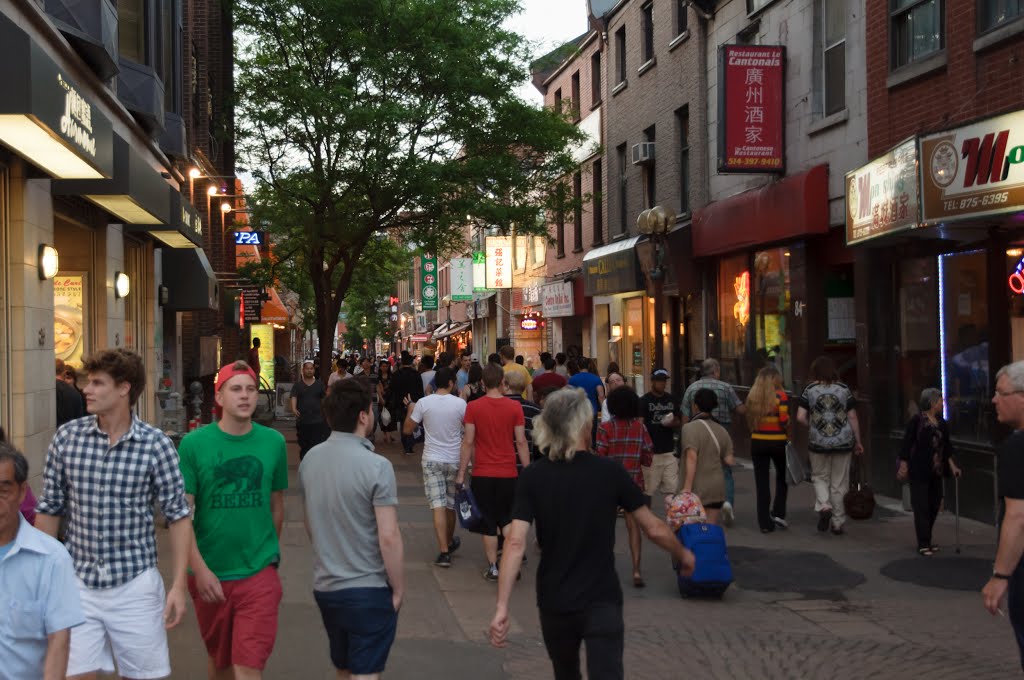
(249,238)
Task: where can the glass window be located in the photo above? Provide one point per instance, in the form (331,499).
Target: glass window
(595,79)
(682,16)
(620,152)
(733,315)
(683,131)
(574,105)
(1015,286)
(647,24)
(834,44)
(769,295)
(540,251)
(595,203)
(963,340)
(131,30)
(649,176)
(620,54)
(917,30)
(918,364)
(577,212)
(993,13)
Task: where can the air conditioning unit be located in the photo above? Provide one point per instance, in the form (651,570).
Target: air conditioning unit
(643,153)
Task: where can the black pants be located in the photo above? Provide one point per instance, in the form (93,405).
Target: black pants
(600,626)
(765,454)
(925,499)
(311,435)
(1015,606)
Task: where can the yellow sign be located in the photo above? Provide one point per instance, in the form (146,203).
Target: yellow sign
(68,319)
(265,332)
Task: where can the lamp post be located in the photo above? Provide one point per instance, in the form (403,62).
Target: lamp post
(196,173)
(655,223)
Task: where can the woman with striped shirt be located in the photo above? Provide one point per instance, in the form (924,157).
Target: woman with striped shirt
(768,419)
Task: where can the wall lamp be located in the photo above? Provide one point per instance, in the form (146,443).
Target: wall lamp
(47,262)
(616,330)
(196,173)
(122,286)
(163,295)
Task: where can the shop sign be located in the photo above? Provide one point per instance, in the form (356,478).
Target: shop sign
(531,296)
(557,299)
(252,301)
(499,261)
(974,170)
(751,111)
(249,238)
(479,271)
(882,196)
(191,222)
(462,279)
(428,274)
(68,318)
(1016,280)
(616,272)
(529,323)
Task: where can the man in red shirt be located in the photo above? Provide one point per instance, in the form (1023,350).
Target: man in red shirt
(492,424)
(549,378)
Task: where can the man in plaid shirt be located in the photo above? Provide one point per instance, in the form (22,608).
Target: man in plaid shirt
(103,472)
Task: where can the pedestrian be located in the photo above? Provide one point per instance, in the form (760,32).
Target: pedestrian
(384,398)
(707,452)
(110,530)
(591,383)
(827,408)
(612,382)
(574,496)
(728,404)
(474,388)
(768,420)
(495,432)
(39,600)
(441,415)
(340,372)
(307,395)
(625,439)
(462,377)
(509,365)
(542,362)
(660,412)
(549,378)
(427,373)
(494,358)
(352,522)
(514,386)
(70,404)
(560,366)
(253,358)
(406,389)
(927,457)
(236,473)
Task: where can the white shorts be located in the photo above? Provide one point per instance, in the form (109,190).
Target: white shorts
(123,624)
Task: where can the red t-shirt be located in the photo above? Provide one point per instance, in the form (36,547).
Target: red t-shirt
(494,442)
(549,379)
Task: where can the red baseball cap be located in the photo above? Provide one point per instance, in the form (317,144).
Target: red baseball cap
(230,371)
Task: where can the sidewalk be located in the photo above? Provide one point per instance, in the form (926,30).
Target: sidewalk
(805,604)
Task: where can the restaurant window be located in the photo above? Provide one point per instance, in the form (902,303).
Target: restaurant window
(620,55)
(916,29)
(733,315)
(131,30)
(769,297)
(595,203)
(993,13)
(963,344)
(595,78)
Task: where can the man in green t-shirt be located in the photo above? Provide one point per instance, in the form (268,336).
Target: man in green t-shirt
(235,475)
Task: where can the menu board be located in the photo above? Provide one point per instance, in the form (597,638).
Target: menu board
(69,318)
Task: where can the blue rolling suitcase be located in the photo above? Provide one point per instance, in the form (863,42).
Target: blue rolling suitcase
(713,572)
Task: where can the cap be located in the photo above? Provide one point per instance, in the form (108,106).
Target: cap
(308,361)
(659,374)
(230,371)
(475,359)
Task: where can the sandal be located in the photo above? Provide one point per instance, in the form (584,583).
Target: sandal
(925,552)
(638,581)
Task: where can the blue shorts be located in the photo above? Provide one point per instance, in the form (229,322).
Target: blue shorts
(361,625)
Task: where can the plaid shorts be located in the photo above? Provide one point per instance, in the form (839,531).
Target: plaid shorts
(439,483)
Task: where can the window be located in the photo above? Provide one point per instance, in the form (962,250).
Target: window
(575,103)
(620,54)
(170,48)
(683,130)
(992,13)
(621,163)
(558,100)
(649,174)
(131,30)
(647,24)
(917,30)
(834,46)
(595,79)
(595,203)
(577,212)
(560,222)
(733,316)
(757,5)
(682,16)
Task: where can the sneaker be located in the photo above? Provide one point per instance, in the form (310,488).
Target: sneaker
(443,560)
(838,531)
(780,523)
(728,516)
(824,519)
(492,573)
(454,545)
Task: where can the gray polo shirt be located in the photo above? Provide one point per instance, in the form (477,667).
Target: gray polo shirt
(344,480)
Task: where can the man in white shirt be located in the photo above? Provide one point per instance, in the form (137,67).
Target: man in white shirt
(441,415)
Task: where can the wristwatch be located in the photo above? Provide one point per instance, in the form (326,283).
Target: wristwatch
(996,574)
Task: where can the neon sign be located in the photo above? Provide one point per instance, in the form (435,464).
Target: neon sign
(1016,279)
(741,309)
(529,324)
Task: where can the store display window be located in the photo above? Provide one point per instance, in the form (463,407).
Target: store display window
(770,293)
(733,315)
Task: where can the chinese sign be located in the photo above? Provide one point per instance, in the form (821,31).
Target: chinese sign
(882,196)
(462,279)
(499,261)
(557,299)
(428,276)
(68,319)
(973,170)
(479,271)
(751,117)
(531,296)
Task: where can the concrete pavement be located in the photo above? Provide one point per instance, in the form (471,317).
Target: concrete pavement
(805,605)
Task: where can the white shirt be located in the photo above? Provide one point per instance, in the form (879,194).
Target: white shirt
(427,376)
(441,416)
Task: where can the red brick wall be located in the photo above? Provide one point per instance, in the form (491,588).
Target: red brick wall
(971,85)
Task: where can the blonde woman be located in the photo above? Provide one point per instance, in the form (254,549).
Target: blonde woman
(768,420)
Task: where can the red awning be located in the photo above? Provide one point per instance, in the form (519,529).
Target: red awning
(793,207)
(420,337)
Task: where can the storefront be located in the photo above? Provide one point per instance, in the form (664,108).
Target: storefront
(482,312)
(939,237)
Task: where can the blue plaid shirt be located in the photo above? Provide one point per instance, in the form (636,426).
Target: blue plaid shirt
(727,399)
(108,494)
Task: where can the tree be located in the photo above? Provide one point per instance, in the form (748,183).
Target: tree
(396,117)
(366,301)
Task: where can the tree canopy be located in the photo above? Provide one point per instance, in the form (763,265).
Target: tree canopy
(362,119)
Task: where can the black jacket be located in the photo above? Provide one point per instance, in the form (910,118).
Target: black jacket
(405,381)
(919,446)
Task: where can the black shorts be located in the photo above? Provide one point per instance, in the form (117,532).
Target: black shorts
(361,625)
(495,497)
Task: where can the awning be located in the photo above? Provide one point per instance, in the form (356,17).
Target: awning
(273,310)
(183,230)
(45,116)
(190,281)
(612,268)
(136,195)
(447,329)
(420,337)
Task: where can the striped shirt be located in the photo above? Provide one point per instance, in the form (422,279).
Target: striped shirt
(727,399)
(628,442)
(773,426)
(530,410)
(108,492)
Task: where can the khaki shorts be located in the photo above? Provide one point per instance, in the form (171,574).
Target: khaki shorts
(662,475)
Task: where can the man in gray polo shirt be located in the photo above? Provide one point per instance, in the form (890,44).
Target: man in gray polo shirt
(352,521)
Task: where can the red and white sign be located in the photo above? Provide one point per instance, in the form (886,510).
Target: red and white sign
(499,261)
(751,111)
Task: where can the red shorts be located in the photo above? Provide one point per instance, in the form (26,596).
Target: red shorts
(241,630)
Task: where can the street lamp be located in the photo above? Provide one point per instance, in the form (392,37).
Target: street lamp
(655,224)
(194,174)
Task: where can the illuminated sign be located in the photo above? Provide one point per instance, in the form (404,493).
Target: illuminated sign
(499,262)
(529,324)
(249,238)
(1016,280)
(741,309)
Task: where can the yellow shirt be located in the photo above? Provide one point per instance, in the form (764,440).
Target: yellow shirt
(513,366)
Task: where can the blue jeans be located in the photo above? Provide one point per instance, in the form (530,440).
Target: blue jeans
(730,485)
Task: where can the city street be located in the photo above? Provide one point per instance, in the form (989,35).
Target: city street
(805,605)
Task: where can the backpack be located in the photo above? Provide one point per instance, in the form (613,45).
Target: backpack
(713,573)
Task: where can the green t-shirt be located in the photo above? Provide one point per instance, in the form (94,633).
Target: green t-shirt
(232,479)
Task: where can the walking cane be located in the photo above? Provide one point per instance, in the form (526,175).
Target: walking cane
(956,498)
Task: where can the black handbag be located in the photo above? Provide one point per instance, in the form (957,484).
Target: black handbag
(859,501)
